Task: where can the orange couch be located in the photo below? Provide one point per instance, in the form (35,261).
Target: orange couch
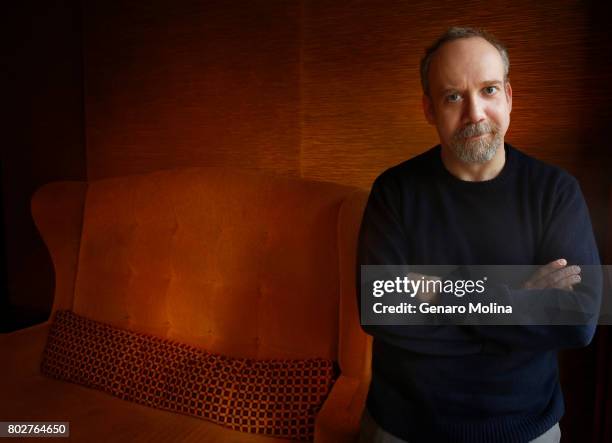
(238,263)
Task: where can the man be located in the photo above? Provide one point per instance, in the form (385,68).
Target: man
(474,200)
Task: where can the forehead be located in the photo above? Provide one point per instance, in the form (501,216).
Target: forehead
(465,62)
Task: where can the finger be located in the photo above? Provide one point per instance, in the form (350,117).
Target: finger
(561,283)
(542,272)
(566,283)
(549,279)
(547,269)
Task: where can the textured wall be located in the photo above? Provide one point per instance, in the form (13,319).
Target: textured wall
(362,107)
(190,83)
(327,90)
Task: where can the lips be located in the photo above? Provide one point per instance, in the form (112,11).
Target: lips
(474,137)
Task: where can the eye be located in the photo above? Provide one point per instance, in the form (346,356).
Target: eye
(490,90)
(453,98)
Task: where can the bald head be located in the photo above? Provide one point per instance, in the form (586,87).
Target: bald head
(458,33)
(462,61)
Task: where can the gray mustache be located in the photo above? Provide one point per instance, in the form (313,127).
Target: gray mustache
(476,129)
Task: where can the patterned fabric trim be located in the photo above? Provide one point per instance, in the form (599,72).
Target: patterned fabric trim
(277,398)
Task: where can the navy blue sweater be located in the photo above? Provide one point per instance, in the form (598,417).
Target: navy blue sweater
(473,383)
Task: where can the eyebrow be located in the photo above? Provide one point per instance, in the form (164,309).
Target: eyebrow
(482,84)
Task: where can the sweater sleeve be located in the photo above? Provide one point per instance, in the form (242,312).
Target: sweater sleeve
(382,241)
(567,233)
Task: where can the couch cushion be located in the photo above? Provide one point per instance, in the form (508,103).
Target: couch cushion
(270,397)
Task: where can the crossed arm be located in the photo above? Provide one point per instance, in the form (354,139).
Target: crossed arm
(568,241)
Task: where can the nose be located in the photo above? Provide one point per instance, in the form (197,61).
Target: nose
(474,110)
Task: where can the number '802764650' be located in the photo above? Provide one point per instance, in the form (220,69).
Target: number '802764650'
(36,429)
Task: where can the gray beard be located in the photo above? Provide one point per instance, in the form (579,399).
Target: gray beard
(476,151)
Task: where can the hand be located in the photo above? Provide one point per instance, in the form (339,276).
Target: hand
(424,296)
(555,274)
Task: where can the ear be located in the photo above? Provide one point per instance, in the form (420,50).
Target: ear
(509,96)
(428,109)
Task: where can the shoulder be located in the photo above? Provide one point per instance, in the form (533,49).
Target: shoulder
(542,175)
(408,171)
(394,185)
(556,191)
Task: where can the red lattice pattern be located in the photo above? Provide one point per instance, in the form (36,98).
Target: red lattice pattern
(273,397)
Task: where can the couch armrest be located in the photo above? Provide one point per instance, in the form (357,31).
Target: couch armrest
(57,209)
(339,419)
(23,351)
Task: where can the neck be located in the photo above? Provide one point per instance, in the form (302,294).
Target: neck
(474,172)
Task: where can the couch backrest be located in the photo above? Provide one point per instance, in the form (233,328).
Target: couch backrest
(239,263)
